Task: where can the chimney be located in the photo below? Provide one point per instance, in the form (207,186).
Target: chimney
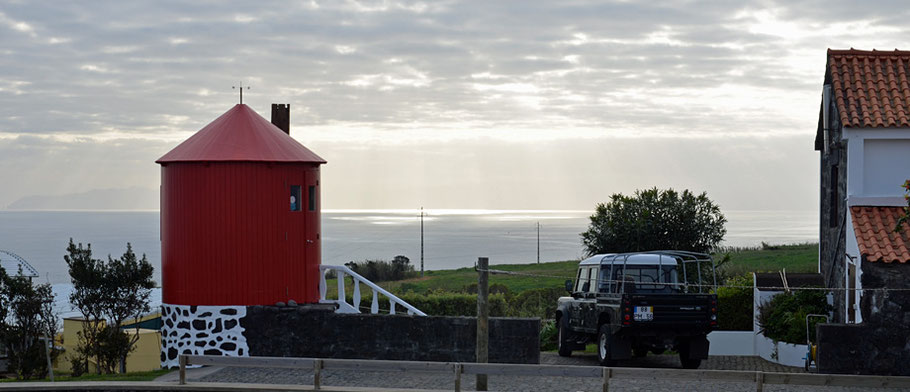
(281,116)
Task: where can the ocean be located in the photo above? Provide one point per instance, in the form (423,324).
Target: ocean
(452,238)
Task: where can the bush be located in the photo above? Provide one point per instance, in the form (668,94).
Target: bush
(734,305)
(784,317)
(495,288)
(536,303)
(548,334)
(439,304)
(382,271)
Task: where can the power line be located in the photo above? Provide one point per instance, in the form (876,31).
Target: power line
(764,288)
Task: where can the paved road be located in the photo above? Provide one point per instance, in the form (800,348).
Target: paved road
(512,383)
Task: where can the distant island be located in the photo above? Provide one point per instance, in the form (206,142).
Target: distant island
(132,198)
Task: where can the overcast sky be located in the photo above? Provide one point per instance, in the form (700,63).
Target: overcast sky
(486,104)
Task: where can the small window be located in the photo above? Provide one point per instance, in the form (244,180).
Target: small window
(312,197)
(295,198)
(835,198)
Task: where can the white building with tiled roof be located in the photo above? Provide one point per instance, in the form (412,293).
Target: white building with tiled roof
(863,137)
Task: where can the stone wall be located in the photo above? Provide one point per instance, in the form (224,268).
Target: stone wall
(881,344)
(864,349)
(302,332)
(833,228)
(885,307)
(201,330)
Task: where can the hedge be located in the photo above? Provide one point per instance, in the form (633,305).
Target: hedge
(734,304)
(529,303)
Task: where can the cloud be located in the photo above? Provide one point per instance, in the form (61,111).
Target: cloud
(397,73)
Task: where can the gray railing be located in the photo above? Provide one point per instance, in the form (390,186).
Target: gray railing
(456,370)
(344,306)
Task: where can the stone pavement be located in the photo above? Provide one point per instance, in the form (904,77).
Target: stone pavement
(443,381)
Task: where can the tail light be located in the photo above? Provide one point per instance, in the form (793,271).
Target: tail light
(627,313)
(713,312)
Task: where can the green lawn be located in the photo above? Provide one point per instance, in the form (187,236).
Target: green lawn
(552,274)
(135,376)
(795,258)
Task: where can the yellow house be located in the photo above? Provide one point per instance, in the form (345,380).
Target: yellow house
(146,356)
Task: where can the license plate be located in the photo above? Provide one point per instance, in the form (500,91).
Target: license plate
(644,313)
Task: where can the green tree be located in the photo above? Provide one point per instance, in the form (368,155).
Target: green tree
(655,219)
(109,294)
(905,218)
(28,315)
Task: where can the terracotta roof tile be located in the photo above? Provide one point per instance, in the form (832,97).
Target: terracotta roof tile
(871,88)
(874,229)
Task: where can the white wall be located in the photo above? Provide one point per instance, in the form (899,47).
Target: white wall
(878,162)
(886,165)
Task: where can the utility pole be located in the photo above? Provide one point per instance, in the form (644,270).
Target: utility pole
(483,321)
(421,242)
(538,242)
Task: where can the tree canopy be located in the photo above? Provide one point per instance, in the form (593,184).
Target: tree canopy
(108,294)
(655,219)
(26,314)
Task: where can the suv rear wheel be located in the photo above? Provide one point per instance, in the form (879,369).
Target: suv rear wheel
(603,346)
(688,363)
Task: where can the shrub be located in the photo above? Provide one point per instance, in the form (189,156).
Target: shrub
(734,304)
(548,334)
(784,317)
(381,271)
(440,304)
(495,288)
(536,303)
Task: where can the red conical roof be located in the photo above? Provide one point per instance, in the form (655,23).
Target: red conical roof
(240,134)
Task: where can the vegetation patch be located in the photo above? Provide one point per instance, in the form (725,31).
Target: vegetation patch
(783,319)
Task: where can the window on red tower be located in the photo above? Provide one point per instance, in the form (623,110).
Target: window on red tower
(295,198)
(312,197)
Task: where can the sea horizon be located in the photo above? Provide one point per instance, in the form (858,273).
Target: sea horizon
(453,238)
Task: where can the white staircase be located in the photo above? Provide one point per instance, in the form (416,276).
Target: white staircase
(345,307)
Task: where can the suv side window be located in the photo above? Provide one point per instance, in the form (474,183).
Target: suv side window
(593,278)
(586,286)
(578,282)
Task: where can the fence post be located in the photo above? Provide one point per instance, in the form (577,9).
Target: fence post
(458,370)
(317,374)
(608,372)
(759,381)
(483,313)
(182,369)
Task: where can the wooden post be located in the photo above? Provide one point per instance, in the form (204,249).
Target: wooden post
(47,355)
(458,370)
(608,372)
(317,374)
(182,369)
(483,322)
(759,381)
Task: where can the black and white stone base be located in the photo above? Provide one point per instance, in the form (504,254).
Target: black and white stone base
(201,330)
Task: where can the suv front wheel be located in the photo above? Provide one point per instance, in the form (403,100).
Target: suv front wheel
(563,342)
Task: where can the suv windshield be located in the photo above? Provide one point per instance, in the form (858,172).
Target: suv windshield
(639,279)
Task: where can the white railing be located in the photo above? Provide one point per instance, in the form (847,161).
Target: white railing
(344,306)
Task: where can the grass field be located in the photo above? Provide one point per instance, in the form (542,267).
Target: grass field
(795,258)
